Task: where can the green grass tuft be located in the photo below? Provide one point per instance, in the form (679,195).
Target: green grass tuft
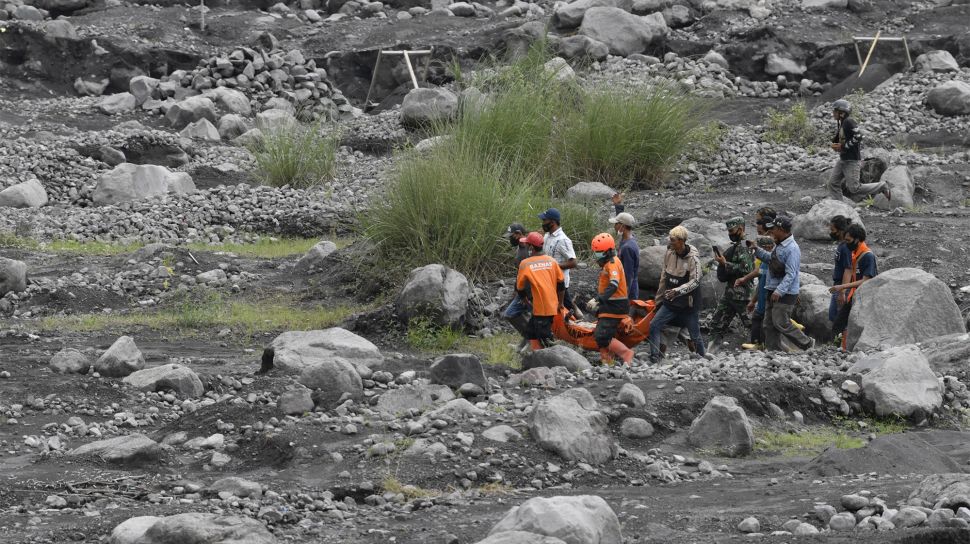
(793,127)
(302,156)
(498,349)
(804,443)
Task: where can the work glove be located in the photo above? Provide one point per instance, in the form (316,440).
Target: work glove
(592,305)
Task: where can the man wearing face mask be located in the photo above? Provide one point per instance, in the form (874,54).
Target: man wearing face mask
(861,269)
(629,251)
(735,263)
(611,303)
(515,313)
(843,261)
(679,294)
(782,285)
(558,246)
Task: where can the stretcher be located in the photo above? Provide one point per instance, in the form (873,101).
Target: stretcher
(631,331)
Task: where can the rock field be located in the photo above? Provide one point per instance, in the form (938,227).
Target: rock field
(172,371)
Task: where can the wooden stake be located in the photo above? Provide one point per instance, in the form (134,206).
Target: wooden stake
(869,56)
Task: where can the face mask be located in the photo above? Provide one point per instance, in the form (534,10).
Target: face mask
(734,237)
(547,227)
(834,236)
(513,242)
(853,245)
(599,255)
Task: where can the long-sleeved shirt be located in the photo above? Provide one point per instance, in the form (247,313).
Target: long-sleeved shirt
(790,254)
(850,137)
(677,266)
(630,257)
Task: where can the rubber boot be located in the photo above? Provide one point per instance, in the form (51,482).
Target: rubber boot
(535,345)
(625,354)
(606,357)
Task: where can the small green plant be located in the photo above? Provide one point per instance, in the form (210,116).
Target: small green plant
(498,349)
(428,337)
(793,127)
(391,484)
(804,443)
(300,156)
(869,201)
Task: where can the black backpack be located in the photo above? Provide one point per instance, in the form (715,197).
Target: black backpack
(722,273)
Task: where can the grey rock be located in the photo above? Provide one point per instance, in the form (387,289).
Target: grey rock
(843,521)
(232,126)
(713,57)
(70,361)
(825,4)
(776,64)
(199,528)
(814,225)
(701,229)
(250,138)
(203,129)
(622,32)
(316,256)
(557,355)
(114,104)
(457,369)
(950,98)
(571,426)
(722,426)
(296,401)
(276,120)
(455,409)
(428,106)
(501,433)
(13,276)
(558,69)
(121,359)
(130,449)
(239,487)
(921,305)
(899,381)
(27,13)
(567,16)
(127,182)
(651,266)
(168,377)
(414,397)
(296,351)
(590,192)
(937,61)
(749,525)
(900,181)
(111,156)
(580,519)
(631,395)
(436,293)
(334,381)
(143,88)
(854,502)
(519,537)
(634,427)
(813,310)
(28,194)
(85,87)
(909,516)
(230,100)
(582,47)
(190,110)
(132,530)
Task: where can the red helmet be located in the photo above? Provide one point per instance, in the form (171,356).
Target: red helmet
(533,239)
(603,242)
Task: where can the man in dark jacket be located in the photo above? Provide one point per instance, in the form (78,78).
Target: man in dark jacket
(735,263)
(847,142)
(629,251)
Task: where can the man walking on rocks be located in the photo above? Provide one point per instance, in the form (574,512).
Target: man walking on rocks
(611,302)
(679,294)
(847,142)
(629,251)
(757,303)
(733,264)
(862,268)
(559,247)
(515,313)
(541,282)
(782,286)
(843,261)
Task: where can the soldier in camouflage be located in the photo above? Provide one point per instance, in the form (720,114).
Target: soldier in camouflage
(735,262)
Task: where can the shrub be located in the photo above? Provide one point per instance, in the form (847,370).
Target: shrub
(302,156)
(793,127)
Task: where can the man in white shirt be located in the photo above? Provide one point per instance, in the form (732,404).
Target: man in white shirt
(558,246)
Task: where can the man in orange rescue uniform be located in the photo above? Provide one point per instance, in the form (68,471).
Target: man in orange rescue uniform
(541,282)
(611,304)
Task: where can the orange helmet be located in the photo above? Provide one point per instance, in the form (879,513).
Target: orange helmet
(603,242)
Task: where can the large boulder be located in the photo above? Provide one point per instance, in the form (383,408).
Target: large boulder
(199,528)
(900,181)
(900,382)
(128,181)
(143,88)
(571,425)
(436,293)
(190,110)
(237,487)
(295,351)
(712,232)
(582,47)
(121,359)
(232,126)
(276,120)
(814,225)
(952,489)
(901,306)
(122,450)
(948,355)
(70,361)
(577,519)
(622,32)
(231,100)
(590,192)
(333,381)
(950,98)
(168,377)
(651,267)
(414,397)
(937,61)
(203,129)
(13,276)
(813,310)
(316,256)
(61,7)
(427,107)
(723,427)
(566,16)
(132,530)
(519,537)
(458,369)
(114,104)
(557,355)
(29,194)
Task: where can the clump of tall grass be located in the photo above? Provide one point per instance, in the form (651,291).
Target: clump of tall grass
(792,127)
(299,156)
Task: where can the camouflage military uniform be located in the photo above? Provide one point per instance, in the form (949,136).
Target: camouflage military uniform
(734,302)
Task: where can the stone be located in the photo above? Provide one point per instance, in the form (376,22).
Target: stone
(519,537)
(713,57)
(908,516)
(122,450)
(899,381)
(921,305)
(950,490)
(85,87)
(121,359)
(143,88)
(199,528)
(501,433)
(749,525)
(316,257)
(651,267)
(558,69)
(111,156)
(203,130)
(805,529)
(824,4)
(814,225)
(566,16)
(190,110)
(677,16)
(216,276)
(705,232)
(251,138)
(854,502)
(901,183)
(950,99)
(582,47)
(776,64)
(113,104)
(456,409)
(424,107)
(296,401)
(231,126)
(571,425)
(294,352)
(70,361)
(937,61)
(334,381)
(13,276)
(556,355)
(580,519)
(169,377)
(27,13)
(435,293)
(238,487)
(28,194)
(843,521)
(457,369)
(127,182)
(631,395)
(132,530)
(414,397)
(590,192)
(61,7)
(622,32)
(722,426)
(634,427)
(813,310)
(276,120)
(462,9)
(230,100)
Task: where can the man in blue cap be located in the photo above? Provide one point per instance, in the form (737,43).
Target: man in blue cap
(558,246)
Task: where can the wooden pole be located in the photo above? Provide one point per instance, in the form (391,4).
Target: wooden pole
(407,60)
(869,56)
(202,11)
(373,78)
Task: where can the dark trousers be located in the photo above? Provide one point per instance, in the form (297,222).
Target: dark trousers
(689,318)
(777,323)
(540,328)
(757,325)
(605,331)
